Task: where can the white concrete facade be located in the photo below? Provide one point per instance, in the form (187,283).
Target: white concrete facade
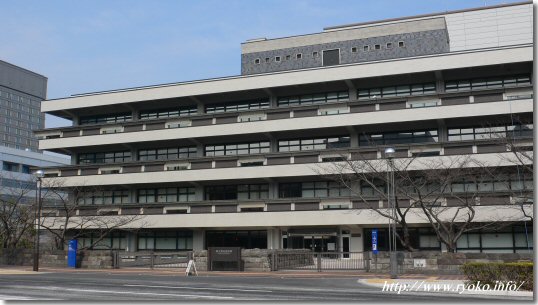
(485,79)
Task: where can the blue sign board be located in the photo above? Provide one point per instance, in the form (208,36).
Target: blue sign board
(374,241)
(72,253)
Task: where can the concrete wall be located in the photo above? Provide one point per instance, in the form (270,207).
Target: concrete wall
(56,258)
(256,260)
(426,262)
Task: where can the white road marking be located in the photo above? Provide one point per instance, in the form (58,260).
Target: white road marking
(200,288)
(123,292)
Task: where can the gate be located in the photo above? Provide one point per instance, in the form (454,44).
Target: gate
(319,261)
(151,259)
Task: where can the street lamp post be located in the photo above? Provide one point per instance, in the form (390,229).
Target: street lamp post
(39,175)
(389,154)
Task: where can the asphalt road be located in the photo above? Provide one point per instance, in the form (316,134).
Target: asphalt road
(110,287)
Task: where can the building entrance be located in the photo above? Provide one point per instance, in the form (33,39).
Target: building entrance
(317,240)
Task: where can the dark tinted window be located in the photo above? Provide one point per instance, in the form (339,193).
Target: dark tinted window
(331,57)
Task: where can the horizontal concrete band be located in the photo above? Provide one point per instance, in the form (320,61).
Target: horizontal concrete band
(269,171)
(350,119)
(364,217)
(435,62)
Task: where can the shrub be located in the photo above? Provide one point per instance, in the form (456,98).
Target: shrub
(490,273)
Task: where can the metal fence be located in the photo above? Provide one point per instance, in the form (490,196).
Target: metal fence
(319,261)
(151,259)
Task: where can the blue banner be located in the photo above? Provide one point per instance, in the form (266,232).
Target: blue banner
(374,241)
(72,253)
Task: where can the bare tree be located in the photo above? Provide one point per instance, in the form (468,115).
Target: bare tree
(362,174)
(17,212)
(65,220)
(442,190)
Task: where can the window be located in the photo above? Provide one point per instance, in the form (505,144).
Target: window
(366,48)
(331,57)
(492,132)
(354,50)
(169,153)
(168,113)
(25,169)
(313,144)
(423,136)
(377,47)
(237,192)
(393,91)
(288,57)
(237,106)
(104,157)
(113,240)
(318,189)
(401,44)
(165,240)
(277,58)
(106,118)
(389,45)
(299,56)
(289,190)
(312,99)
(10,167)
(257,61)
(252,191)
(423,104)
(237,149)
(103,197)
(267,59)
(487,83)
(166,195)
(315,54)
(220,192)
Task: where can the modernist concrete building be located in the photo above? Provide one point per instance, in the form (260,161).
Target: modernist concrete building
(21,93)
(232,161)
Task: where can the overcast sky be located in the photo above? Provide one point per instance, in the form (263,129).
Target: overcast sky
(100,45)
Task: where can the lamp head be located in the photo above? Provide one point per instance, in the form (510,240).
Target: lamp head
(39,174)
(389,152)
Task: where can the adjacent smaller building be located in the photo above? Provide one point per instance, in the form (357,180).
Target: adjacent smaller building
(16,177)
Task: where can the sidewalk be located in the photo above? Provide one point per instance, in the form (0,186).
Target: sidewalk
(181,271)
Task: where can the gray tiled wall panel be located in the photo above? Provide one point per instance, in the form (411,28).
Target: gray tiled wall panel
(416,43)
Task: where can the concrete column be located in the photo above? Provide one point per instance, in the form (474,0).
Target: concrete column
(273,190)
(352,94)
(132,195)
(135,113)
(199,150)
(340,241)
(439,81)
(356,243)
(199,193)
(273,239)
(75,120)
(353,137)
(273,103)
(198,239)
(443,131)
(274,145)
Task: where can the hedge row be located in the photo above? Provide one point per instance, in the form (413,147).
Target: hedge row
(493,273)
